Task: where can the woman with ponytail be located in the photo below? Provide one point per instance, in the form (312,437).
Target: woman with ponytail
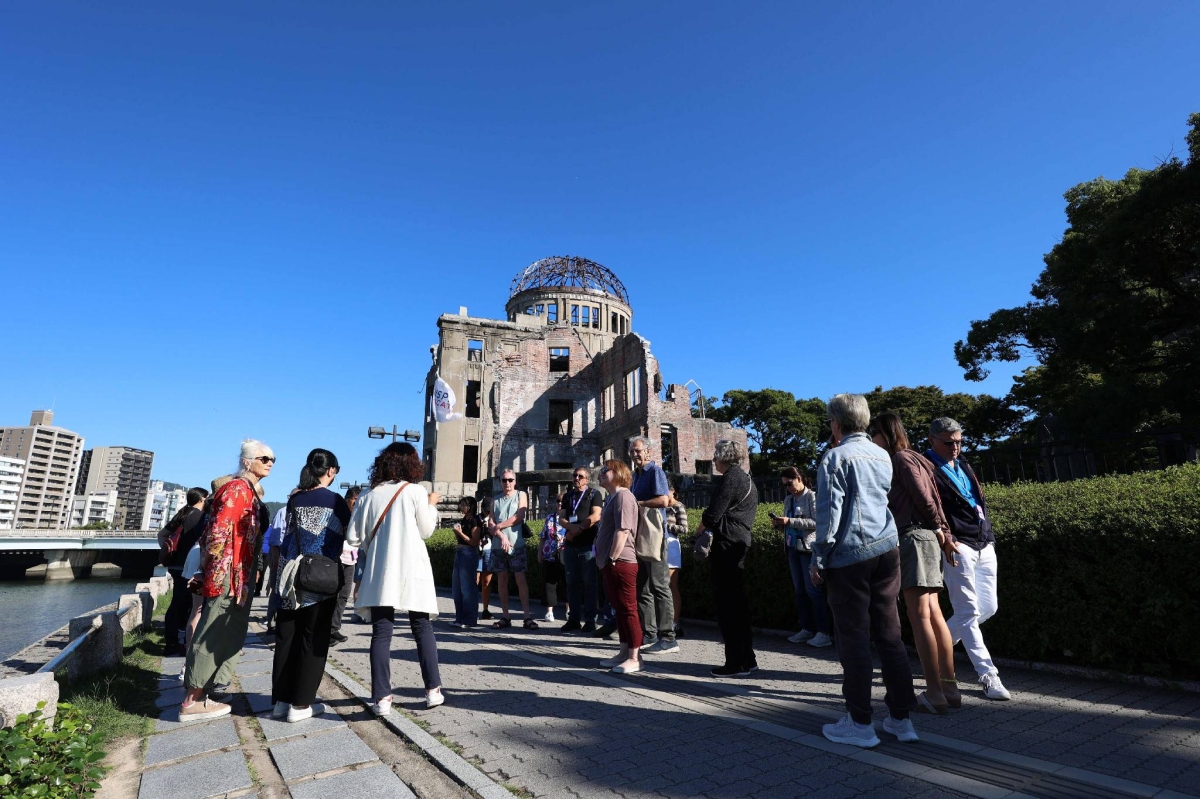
(316,529)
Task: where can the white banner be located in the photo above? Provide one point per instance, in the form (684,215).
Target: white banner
(443,402)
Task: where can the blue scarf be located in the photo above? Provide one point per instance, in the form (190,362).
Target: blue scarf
(958,478)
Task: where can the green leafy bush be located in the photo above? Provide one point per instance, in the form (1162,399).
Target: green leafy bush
(56,758)
(1102,572)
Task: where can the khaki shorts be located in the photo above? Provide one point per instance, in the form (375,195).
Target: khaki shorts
(920,559)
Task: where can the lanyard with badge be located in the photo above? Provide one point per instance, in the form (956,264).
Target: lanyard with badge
(574,519)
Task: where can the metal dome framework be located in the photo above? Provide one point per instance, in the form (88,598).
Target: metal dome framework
(568,271)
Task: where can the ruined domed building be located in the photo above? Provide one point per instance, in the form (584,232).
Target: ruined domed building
(562,381)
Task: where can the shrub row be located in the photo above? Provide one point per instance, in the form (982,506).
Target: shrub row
(1102,572)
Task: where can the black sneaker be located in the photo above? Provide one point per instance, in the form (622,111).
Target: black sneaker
(338,637)
(588,629)
(678,630)
(570,627)
(606,631)
(748,670)
(487,614)
(728,671)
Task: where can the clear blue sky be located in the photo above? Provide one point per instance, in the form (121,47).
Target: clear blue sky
(231,220)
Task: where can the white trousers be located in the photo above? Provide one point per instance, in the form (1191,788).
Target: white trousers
(972,588)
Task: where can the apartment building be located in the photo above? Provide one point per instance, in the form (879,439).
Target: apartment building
(92,508)
(122,469)
(161,505)
(11,471)
(51,455)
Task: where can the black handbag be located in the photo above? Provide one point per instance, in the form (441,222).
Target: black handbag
(318,574)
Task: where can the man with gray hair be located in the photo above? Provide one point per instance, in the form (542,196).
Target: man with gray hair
(856,554)
(971,578)
(655,604)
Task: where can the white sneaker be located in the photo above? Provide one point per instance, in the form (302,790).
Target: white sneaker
(434,698)
(382,707)
(800,637)
(848,731)
(662,647)
(549,618)
(281,710)
(295,714)
(820,640)
(901,728)
(992,687)
(620,669)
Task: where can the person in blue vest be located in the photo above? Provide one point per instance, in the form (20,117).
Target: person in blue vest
(971,578)
(652,490)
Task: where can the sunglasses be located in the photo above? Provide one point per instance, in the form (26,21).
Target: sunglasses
(579,477)
(949,442)
(509,480)
(265,459)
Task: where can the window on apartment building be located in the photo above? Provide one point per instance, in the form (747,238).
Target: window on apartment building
(470,472)
(633,388)
(560,417)
(574,314)
(552,313)
(560,359)
(473,399)
(475,350)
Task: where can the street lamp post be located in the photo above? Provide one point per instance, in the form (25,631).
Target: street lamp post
(412,436)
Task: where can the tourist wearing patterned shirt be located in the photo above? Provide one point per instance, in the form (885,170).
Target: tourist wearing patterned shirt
(317,519)
(226,581)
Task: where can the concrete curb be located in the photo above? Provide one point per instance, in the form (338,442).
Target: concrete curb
(445,758)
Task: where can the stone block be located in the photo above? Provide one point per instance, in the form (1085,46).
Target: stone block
(140,616)
(197,778)
(377,782)
(106,571)
(162,585)
(322,752)
(140,587)
(103,648)
(21,695)
(190,741)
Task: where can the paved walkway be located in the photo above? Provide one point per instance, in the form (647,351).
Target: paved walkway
(532,712)
(531,709)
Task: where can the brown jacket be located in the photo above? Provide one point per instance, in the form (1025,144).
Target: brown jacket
(913,498)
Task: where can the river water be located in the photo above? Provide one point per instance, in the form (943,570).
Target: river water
(31,610)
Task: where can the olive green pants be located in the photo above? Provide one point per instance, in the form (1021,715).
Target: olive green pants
(219,638)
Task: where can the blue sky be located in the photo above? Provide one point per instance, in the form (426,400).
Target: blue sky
(231,220)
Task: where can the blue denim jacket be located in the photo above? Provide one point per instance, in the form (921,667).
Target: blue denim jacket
(853,520)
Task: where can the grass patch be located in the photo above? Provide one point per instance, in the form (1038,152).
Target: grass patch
(516,790)
(446,742)
(119,702)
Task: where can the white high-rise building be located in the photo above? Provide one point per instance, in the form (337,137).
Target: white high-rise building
(122,468)
(99,506)
(161,505)
(11,471)
(51,456)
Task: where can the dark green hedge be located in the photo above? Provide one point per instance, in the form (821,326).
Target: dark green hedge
(1102,572)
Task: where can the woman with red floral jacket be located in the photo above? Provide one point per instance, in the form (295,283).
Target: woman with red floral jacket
(226,581)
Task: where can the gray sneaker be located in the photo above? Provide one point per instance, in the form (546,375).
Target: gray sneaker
(848,731)
(662,647)
(901,728)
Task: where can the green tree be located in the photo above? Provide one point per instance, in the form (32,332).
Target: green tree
(95,526)
(783,431)
(1115,319)
(985,419)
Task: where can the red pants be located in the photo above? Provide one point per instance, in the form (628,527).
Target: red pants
(620,585)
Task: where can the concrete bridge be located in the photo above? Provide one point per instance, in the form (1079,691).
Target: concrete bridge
(67,554)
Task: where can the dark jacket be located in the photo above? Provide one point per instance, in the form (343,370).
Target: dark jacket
(192,528)
(965,523)
(915,496)
(730,513)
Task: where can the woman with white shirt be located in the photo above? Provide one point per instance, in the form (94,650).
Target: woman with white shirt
(390,524)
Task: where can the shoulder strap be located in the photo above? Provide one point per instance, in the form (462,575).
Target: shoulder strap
(383,515)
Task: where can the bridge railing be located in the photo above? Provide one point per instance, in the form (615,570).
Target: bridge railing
(48,533)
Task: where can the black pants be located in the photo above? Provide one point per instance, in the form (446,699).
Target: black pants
(552,574)
(382,625)
(728,560)
(863,599)
(301,646)
(177,612)
(343,595)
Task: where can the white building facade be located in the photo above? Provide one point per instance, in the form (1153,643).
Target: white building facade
(99,506)
(11,472)
(52,456)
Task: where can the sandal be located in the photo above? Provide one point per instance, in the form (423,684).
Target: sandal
(955,700)
(925,706)
(530,624)
(501,624)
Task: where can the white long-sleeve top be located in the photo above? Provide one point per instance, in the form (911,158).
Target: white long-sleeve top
(396,569)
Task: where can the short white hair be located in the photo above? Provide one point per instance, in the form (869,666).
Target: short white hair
(851,412)
(728,453)
(252,448)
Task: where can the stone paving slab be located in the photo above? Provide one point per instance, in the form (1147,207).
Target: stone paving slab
(171,696)
(253,667)
(199,778)
(168,721)
(321,752)
(190,741)
(375,782)
(171,665)
(256,683)
(274,729)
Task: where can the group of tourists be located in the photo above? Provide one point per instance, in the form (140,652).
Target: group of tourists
(880,520)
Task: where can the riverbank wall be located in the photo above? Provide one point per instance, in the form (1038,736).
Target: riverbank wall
(88,643)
